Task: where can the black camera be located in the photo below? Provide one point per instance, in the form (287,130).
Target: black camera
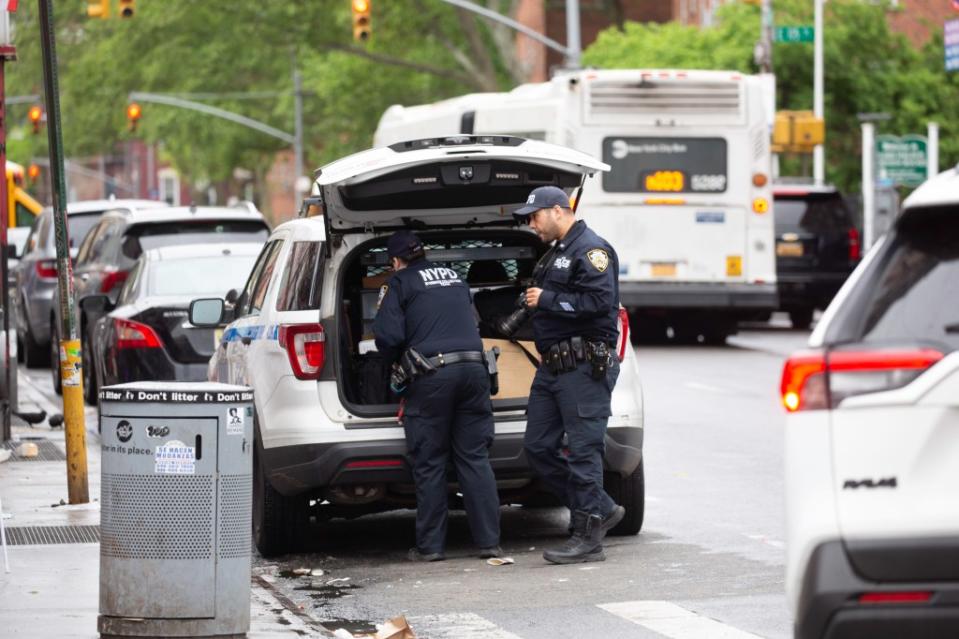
(508,325)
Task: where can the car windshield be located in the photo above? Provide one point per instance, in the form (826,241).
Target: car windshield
(79,224)
(903,298)
(151,236)
(199,276)
(813,213)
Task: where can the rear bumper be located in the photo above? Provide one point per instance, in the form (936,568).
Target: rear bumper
(646,295)
(829,607)
(809,289)
(297,469)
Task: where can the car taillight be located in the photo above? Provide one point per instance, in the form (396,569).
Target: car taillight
(111,279)
(305,345)
(47,269)
(855,247)
(622,342)
(813,380)
(132,334)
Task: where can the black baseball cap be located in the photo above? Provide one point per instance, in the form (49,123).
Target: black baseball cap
(543,197)
(403,244)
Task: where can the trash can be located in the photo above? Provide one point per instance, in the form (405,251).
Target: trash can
(175,499)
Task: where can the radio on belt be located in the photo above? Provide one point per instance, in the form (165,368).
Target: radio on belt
(175,499)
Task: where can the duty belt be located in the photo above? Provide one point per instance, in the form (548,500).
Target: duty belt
(442,359)
(564,356)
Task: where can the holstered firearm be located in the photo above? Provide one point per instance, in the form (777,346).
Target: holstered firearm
(491,356)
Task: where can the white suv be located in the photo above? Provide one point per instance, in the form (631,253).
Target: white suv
(328,441)
(872,439)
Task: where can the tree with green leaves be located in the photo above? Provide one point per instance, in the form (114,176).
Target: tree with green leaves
(868,69)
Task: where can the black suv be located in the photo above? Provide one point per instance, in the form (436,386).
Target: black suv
(817,247)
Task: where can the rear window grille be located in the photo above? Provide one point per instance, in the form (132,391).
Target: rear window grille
(664,98)
(511,267)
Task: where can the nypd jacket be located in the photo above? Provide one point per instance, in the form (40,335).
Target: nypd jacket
(580,290)
(426,307)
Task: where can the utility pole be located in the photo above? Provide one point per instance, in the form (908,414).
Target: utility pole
(298,193)
(574,44)
(766,38)
(70,355)
(819,151)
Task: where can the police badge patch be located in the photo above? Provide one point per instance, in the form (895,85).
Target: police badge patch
(599,258)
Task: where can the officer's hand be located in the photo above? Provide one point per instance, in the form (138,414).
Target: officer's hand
(532,297)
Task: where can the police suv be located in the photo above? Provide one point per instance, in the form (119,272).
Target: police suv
(328,443)
(872,439)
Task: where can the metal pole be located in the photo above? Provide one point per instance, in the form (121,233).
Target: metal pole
(868,184)
(70,355)
(766,36)
(9,378)
(297,134)
(932,150)
(819,152)
(512,24)
(573,42)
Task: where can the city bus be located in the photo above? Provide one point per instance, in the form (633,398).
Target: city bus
(688,202)
(22,207)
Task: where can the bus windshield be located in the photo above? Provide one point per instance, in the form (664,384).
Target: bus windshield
(665,165)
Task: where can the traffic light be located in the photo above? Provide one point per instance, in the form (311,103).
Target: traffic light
(98,8)
(361,20)
(797,132)
(127,8)
(133,115)
(35,114)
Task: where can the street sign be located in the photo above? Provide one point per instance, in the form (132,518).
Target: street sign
(902,159)
(951,43)
(804,33)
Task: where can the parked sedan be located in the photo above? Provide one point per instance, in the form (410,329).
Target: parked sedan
(36,273)
(146,336)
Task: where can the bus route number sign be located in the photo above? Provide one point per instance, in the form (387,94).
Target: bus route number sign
(665,181)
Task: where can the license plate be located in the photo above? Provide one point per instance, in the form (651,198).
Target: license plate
(664,269)
(217,336)
(789,249)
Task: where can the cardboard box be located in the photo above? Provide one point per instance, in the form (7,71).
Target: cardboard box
(376,281)
(515,370)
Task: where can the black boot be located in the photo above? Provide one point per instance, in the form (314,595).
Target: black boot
(609,521)
(585,544)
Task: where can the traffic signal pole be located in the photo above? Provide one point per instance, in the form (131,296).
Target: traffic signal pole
(7,52)
(70,356)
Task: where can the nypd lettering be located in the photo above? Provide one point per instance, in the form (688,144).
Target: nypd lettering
(439,276)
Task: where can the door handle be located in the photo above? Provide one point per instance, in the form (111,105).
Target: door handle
(85,277)
(246,340)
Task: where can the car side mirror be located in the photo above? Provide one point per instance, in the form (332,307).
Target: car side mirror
(96,304)
(207,312)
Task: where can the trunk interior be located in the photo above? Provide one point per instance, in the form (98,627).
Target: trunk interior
(496,264)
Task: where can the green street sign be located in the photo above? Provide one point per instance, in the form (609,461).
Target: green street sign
(803,33)
(902,160)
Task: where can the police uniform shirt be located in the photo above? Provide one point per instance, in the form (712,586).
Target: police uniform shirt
(580,295)
(428,308)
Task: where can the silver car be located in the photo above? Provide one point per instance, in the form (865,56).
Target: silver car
(36,274)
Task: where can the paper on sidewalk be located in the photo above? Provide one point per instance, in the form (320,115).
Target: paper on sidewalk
(396,628)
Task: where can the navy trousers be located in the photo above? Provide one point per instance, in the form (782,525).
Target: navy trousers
(449,413)
(575,404)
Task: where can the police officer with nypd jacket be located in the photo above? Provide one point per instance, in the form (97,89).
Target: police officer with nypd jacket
(575,305)
(426,324)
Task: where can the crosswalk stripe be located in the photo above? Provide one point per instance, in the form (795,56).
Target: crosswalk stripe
(674,621)
(458,625)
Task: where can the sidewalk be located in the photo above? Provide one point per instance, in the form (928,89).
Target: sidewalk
(52,589)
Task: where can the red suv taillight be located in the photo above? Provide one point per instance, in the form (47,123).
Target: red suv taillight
(305,345)
(855,247)
(813,380)
(47,269)
(623,341)
(132,334)
(111,279)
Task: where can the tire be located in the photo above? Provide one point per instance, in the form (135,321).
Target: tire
(55,361)
(89,370)
(278,521)
(629,492)
(34,354)
(801,318)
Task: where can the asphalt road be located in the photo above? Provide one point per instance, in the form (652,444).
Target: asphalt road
(708,563)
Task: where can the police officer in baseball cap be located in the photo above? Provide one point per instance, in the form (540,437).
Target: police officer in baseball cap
(575,328)
(426,323)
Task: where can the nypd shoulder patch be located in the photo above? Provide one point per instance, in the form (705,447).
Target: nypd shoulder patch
(599,258)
